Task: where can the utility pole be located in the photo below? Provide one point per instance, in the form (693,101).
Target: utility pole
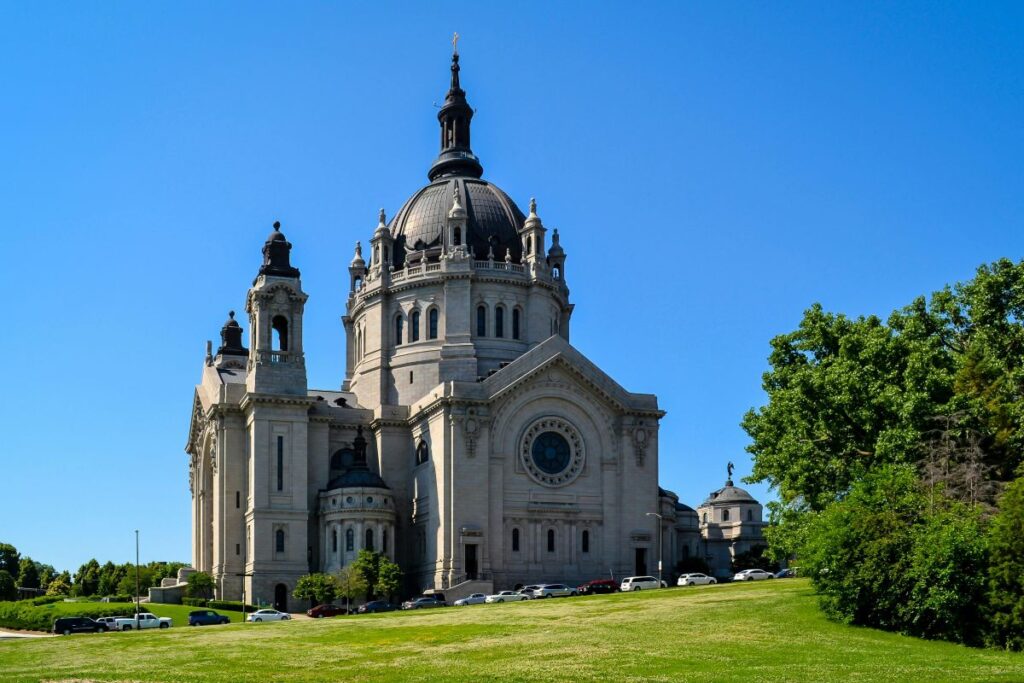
(661,520)
(137,580)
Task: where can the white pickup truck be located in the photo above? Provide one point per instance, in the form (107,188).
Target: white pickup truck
(145,620)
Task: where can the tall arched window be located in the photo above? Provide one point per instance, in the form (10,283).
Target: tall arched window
(422,452)
(399,329)
(432,324)
(384,541)
(515,323)
(334,540)
(458,237)
(750,515)
(725,515)
(481,321)
(705,518)
(515,540)
(280,327)
(499,321)
(279,540)
(585,541)
(350,540)
(369,539)
(551,540)
(529,245)
(414,333)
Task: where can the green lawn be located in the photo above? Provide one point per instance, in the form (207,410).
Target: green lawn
(41,617)
(768,631)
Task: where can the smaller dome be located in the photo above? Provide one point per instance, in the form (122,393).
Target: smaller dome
(729,494)
(231,322)
(357,478)
(276,235)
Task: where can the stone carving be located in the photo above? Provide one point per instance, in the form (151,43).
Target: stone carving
(540,467)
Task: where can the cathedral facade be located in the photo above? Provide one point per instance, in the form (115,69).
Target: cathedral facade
(469,440)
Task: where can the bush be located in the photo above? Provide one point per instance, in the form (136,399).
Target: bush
(195,602)
(8,591)
(25,615)
(229,605)
(46,599)
(118,598)
(1006,575)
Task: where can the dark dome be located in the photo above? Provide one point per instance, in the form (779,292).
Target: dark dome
(357,478)
(493,220)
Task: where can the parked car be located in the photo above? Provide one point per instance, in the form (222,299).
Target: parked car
(375,606)
(554,590)
(321,611)
(599,586)
(528,591)
(422,603)
(474,599)
(695,579)
(109,622)
(789,573)
(142,620)
(269,615)
(206,617)
(506,596)
(636,583)
(68,625)
(753,575)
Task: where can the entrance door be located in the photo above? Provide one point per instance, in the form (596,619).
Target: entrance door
(471,567)
(641,561)
(281,597)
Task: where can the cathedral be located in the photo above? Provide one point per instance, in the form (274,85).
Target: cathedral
(469,441)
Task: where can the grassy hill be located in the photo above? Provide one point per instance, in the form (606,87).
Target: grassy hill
(769,631)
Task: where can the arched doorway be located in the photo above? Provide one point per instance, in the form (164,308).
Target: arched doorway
(281,597)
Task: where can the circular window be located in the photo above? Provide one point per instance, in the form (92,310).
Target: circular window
(552,451)
(349,500)
(369,499)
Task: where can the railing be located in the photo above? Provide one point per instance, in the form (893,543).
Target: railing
(499,265)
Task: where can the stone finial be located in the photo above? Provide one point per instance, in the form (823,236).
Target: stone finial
(490,252)
(533,206)
(277,226)
(209,352)
(508,255)
(359,249)
(381,221)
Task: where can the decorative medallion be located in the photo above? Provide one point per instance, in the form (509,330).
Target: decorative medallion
(552,452)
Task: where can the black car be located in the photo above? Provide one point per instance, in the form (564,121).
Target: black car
(375,606)
(69,625)
(206,617)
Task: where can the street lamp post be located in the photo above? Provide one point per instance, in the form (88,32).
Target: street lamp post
(660,534)
(137,604)
(244,577)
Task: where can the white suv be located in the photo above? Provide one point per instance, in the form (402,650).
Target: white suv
(635,583)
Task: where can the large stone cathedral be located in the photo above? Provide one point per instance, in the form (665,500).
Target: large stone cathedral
(469,440)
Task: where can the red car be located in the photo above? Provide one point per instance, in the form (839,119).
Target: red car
(599,586)
(321,611)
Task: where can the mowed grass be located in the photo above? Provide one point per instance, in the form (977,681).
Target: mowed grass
(767,631)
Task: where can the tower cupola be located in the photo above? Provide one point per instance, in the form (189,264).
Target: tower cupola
(277,255)
(231,338)
(532,235)
(456,157)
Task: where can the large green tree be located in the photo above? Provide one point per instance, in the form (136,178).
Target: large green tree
(200,585)
(1006,574)
(8,590)
(28,573)
(351,583)
(382,576)
(9,558)
(60,585)
(319,588)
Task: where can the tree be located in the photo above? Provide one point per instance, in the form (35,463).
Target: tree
(389,578)
(367,563)
(318,588)
(8,591)
(87,579)
(351,584)
(108,579)
(61,585)
(46,574)
(28,574)
(1006,588)
(200,585)
(9,558)
(754,559)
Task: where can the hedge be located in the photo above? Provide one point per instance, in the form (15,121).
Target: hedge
(230,605)
(25,615)
(195,602)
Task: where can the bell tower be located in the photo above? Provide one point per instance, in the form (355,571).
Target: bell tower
(275,305)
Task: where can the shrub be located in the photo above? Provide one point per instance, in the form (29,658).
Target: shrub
(229,605)
(1006,573)
(319,588)
(195,602)
(8,591)
(46,599)
(118,598)
(25,615)
(200,585)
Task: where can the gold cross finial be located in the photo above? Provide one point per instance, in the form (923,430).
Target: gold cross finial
(455,43)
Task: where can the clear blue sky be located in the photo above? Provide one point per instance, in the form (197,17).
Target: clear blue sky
(713,170)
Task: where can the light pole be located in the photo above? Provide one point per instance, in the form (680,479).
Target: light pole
(660,521)
(137,604)
(244,577)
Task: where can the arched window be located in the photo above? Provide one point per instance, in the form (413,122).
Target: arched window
(529,245)
(499,321)
(725,515)
(556,272)
(279,540)
(585,541)
(334,540)
(515,323)
(414,333)
(705,518)
(422,452)
(387,256)
(280,327)
(384,541)
(750,515)
(350,540)
(458,236)
(515,540)
(369,539)
(551,540)
(399,329)
(481,321)
(432,324)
